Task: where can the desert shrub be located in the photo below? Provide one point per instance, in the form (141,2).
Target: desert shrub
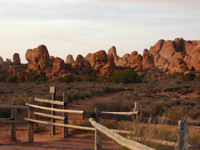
(194,113)
(125,77)
(2,78)
(21,80)
(67,79)
(11,79)
(41,79)
(91,77)
(189,76)
(175,75)
(5,113)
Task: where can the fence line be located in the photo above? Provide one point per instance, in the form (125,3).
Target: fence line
(119,139)
(182,142)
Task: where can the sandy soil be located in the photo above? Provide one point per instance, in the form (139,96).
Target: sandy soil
(194,94)
(77,140)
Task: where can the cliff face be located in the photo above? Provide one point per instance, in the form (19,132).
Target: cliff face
(178,55)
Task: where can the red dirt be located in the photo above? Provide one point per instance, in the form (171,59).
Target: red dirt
(77,140)
(188,95)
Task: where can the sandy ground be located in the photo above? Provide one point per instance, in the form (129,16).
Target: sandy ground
(77,140)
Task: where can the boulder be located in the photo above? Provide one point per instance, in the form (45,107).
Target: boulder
(177,65)
(58,65)
(16,59)
(1,61)
(195,59)
(69,59)
(79,61)
(167,50)
(7,62)
(148,60)
(111,60)
(101,56)
(135,61)
(38,58)
(112,51)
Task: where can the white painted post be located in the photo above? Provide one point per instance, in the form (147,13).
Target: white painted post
(182,143)
(97,132)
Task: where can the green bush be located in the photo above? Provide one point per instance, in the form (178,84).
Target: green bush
(12,79)
(67,79)
(2,78)
(125,77)
(189,76)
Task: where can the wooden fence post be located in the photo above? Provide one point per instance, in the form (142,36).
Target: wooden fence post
(53,92)
(182,143)
(135,109)
(31,124)
(13,125)
(65,129)
(97,132)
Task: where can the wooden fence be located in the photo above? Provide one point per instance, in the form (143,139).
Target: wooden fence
(13,118)
(94,118)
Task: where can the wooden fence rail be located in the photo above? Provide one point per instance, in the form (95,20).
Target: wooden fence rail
(119,139)
(94,119)
(13,119)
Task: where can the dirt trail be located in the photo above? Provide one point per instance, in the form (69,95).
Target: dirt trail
(77,140)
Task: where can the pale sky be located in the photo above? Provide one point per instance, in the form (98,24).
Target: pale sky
(86,26)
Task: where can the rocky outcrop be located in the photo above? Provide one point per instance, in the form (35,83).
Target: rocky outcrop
(148,60)
(38,58)
(1,61)
(112,51)
(58,65)
(16,59)
(135,61)
(69,59)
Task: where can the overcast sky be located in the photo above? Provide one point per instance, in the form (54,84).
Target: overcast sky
(83,26)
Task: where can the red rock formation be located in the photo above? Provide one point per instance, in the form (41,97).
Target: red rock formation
(69,59)
(113,51)
(38,58)
(135,61)
(1,61)
(16,59)
(148,60)
(177,64)
(58,65)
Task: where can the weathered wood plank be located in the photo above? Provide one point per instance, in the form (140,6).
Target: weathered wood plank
(121,113)
(55,109)
(119,139)
(61,125)
(182,143)
(108,115)
(12,121)
(49,101)
(65,115)
(31,124)
(13,125)
(49,116)
(97,145)
(13,106)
